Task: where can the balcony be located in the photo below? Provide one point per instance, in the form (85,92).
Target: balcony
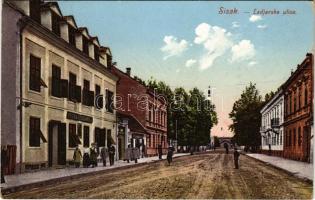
(275,123)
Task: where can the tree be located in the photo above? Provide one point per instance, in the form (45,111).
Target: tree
(246,117)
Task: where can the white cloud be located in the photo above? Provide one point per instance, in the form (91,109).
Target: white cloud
(262,26)
(173,47)
(244,50)
(215,40)
(177,70)
(190,62)
(235,25)
(252,63)
(255,18)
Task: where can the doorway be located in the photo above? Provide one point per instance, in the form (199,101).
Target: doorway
(56,143)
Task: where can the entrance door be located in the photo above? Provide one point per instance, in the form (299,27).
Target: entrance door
(62,144)
(56,143)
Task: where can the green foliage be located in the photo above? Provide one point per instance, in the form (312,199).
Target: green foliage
(191,111)
(246,117)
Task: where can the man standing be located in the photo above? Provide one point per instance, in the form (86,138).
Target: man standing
(104,155)
(226,146)
(170,152)
(93,155)
(160,151)
(111,155)
(236,156)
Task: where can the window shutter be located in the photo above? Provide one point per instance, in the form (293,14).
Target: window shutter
(78,93)
(64,88)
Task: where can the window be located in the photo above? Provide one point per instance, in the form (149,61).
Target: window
(55,18)
(100,136)
(280,138)
(300,94)
(85,45)
(35,10)
(72,136)
(35,71)
(294,101)
(305,96)
(56,76)
(290,106)
(294,137)
(299,136)
(86,136)
(88,96)
(96,53)
(109,101)
(71,33)
(98,97)
(34,129)
(74,90)
(109,60)
(290,138)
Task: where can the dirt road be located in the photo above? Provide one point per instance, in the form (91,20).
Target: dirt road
(199,176)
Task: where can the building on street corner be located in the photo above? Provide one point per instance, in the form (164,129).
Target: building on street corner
(61,85)
(298,112)
(271,129)
(142,116)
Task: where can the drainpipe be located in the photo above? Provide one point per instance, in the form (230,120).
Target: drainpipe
(21,25)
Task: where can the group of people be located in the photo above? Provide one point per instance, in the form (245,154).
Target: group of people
(90,156)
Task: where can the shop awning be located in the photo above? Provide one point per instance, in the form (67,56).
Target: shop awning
(133,123)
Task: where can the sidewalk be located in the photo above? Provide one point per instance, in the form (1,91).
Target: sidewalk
(25,179)
(300,169)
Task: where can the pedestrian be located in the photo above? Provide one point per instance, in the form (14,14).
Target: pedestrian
(104,155)
(236,156)
(226,146)
(111,155)
(77,157)
(269,152)
(86,158)
(93,155)
(4,161)
(170,152)
(135,154)
(160,151)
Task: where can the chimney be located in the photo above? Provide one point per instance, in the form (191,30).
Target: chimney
(128,71)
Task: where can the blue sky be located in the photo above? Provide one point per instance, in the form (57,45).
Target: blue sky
(158,38)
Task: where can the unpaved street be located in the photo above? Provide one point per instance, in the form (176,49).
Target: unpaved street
(200,176)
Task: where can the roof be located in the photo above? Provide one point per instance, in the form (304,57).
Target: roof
(133,123)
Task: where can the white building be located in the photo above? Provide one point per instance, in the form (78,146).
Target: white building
(54,72)
(271,129)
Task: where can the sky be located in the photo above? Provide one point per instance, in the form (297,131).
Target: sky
(189,44)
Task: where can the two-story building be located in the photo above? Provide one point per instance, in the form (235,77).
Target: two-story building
(57,90)
(272,125)
(298,115)
(141,115)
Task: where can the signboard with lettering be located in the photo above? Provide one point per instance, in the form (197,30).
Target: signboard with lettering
(79,117)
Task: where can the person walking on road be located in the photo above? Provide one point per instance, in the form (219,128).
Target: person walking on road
(111,155)
(226,146)
(236,156)
(170,152)
(77,157)
(93,155)
(160,151)
(104,155)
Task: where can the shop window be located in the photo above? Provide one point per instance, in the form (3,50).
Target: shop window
(109,101)
(35,71)
(71,33)
(74,140)
(86,136)
(100,136)
(35,134)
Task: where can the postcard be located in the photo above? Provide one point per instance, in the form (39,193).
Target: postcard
(157,99)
